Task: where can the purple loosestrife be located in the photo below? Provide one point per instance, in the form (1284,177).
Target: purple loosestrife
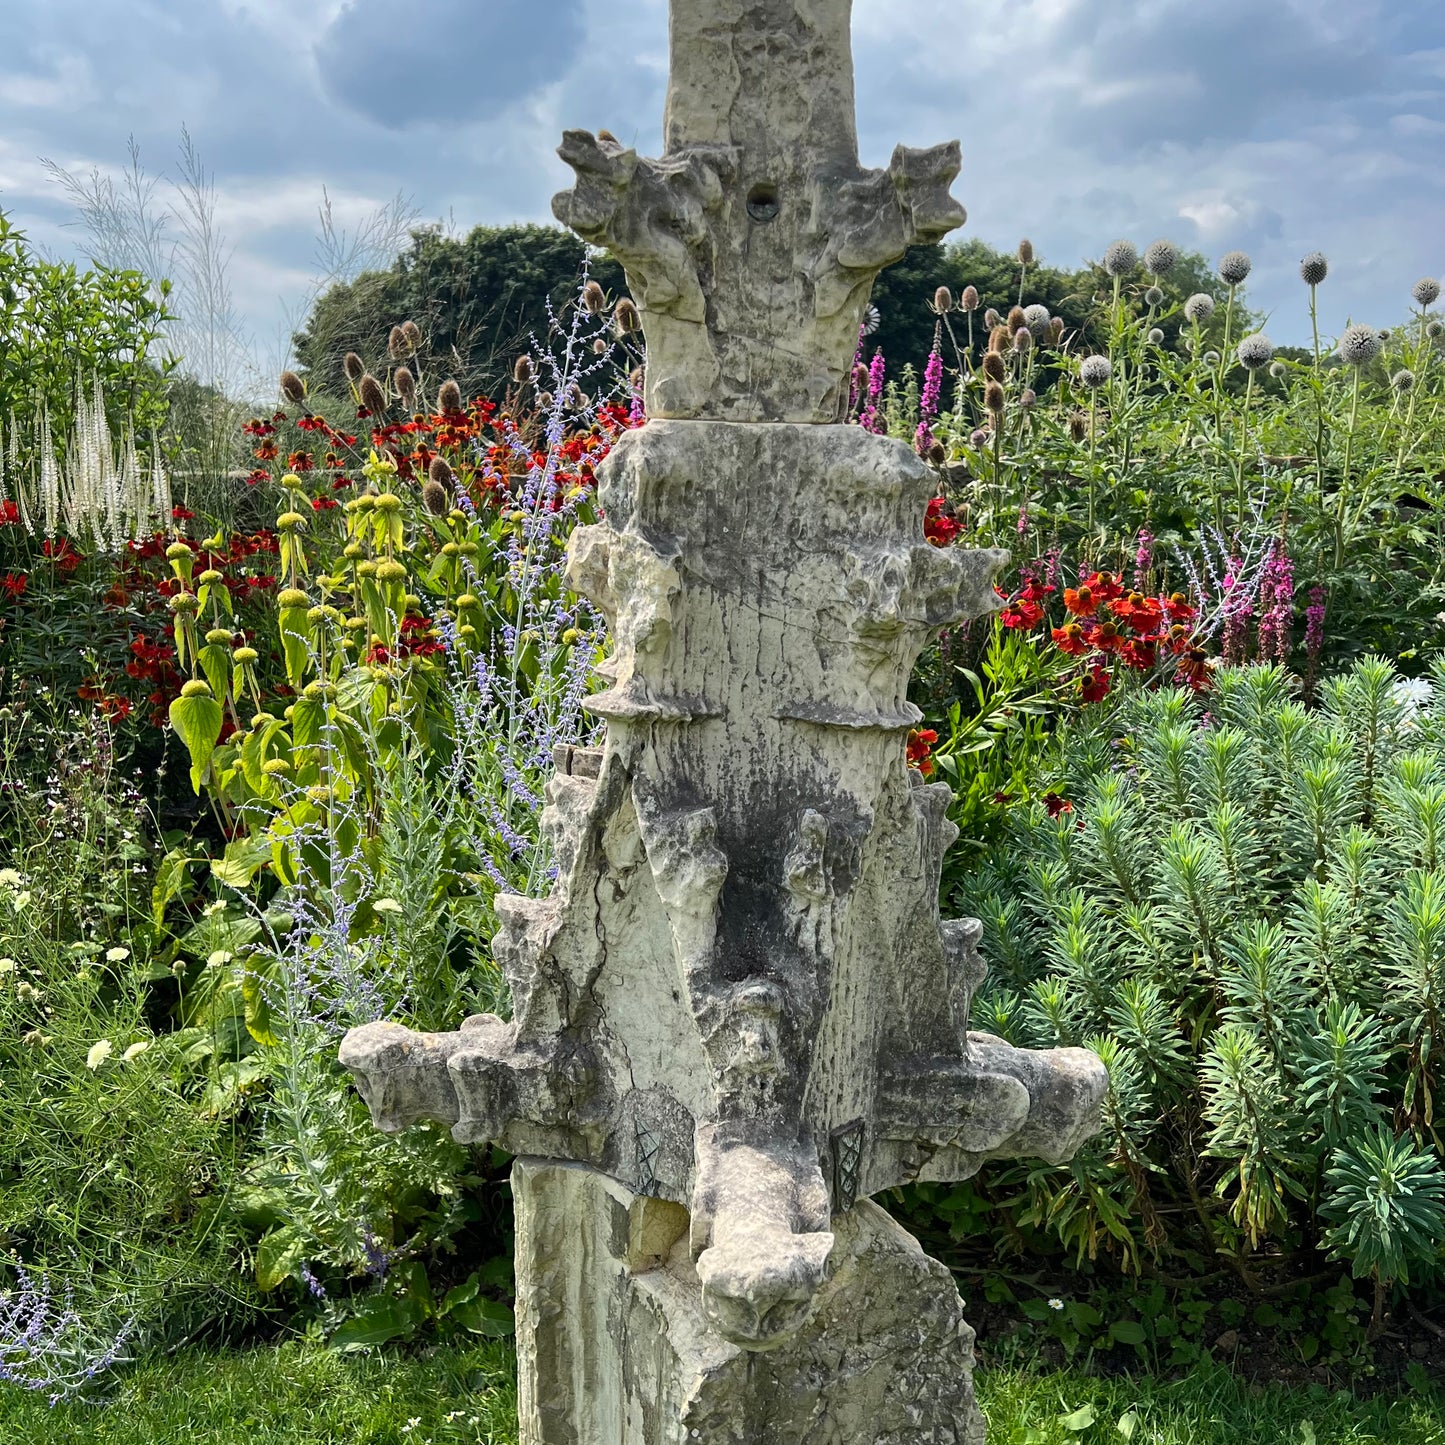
(1276,601)
(1143,558)
(1238,612)
(877,370)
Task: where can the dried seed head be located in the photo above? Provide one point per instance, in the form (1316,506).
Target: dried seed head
(1036,318)
(1359,345)
(637,377)
(593,298)
(1078,425)
(1314,268)
(1026,251)
(373,398)
(1403,380)
(937,455)
(1234,266)
(1160,257)
(435,498)
(398,348)
(1016,318)
(993,397)
(942,300)
(1094,371)
(449,396)
(1023,339)
(608,137)
(440,472)
(990,318)
(999,337)
(1120,258)
(599,347)
(1255,351)
(1153,297)
(1426,291)
(969,300)
(1199,308)
(978,438)
(1027,397)
(522,370)
(405,384)
(626,317)
(993,366)
(353,366)
(292,387)
(1056,330)
(412,332)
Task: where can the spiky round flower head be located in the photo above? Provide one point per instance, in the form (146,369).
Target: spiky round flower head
(435,498)
(1027,397)
(449,396)
(1359,345)
(1234,266)
(398,348)
(1434,328)
(1023,339)
(626,317)
(405,384)
(353,366)
(292,597)
(993,397)
(1426,291)
(1078,425)
(1094,371)
(1036,318)
(1277,369)
(1156,336)
(1211,358)
(937,454)
(210,577)
(942,300)
(872,319)
(293,388)
(993,366)
(1026,251)
(1255,351)
(1120,258)
(594,298)
(978,438)
(1314,268)
(373,398)
(969,300)
(1160,257)
(1403,380)
(1153,297)
(1199,308)
(991,318)
(1384,334)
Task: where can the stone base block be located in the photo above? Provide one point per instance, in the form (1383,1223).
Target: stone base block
(613,1347)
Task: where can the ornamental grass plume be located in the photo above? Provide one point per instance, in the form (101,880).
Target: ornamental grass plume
(1234,266)
(1120,259)
(1314,268)
(1160,257)
(1426,291)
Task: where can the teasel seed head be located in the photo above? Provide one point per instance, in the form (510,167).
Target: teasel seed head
(1234,266)
(942,300)
(1016,318)
(522,370)
(1160,257)
(993,397)
(353,366)
(1056,330)
(1120,258)
(398,348)
(1026,251)
(1314,268)
(373,398)
(293,388)
(412,332)
(449,396)
(1027,397)
(599,347)
(1023,338)
(990,318)
(594,299)
(405,384)
(937,454)
(969,300)
(993,366)
(435,498)
(626,317)
(999,337)
(1078,425)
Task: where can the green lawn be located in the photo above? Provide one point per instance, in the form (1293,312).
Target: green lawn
(305,1395)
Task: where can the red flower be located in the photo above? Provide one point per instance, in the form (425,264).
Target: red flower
(1139,653)
(1081,600)
(920,746)
(1178,608)
(1143,614)
(180,514)
(14,583)
(9,513)
(1194,670)
(62,554)
(324,504)
(299,461)
(1022,615)
(1056,803)
(940,525)
(1095,685)
(1106,637)
(1071,639)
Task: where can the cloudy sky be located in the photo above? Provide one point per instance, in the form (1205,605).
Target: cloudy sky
(1275,126)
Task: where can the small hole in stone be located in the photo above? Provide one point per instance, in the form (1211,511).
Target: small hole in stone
(763,201)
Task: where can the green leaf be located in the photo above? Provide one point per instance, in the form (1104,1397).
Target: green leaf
(257,981)
(484,1317)
(215,662)
(170,879)
(277,1257)
(1079,1419)
(242,858)
(379,1319)
(1127,1332)
(197,722)
(1127,1424)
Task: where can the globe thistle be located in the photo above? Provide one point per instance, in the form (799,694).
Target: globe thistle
(293,388)
(1211,358)
(1426,291)
(1359,345)
(1153,297)
(449,396)
(593,298)
(1384,334)
(1156,336)
(872,319)
(1026,251)
(1434,328)
(1277,369)
(405,384)
(969,300)
(993,366)
(993,397)
(1199,308)
(373,398)
(1314,268)
(1120,258)
(1255,351)
(1234,266)
(353,366)
(1037,318)
(626,317)
(1094,371)
(1403,380)
(1160,257)
(943,300)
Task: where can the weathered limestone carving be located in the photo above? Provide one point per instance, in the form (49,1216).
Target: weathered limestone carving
(739,1013)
